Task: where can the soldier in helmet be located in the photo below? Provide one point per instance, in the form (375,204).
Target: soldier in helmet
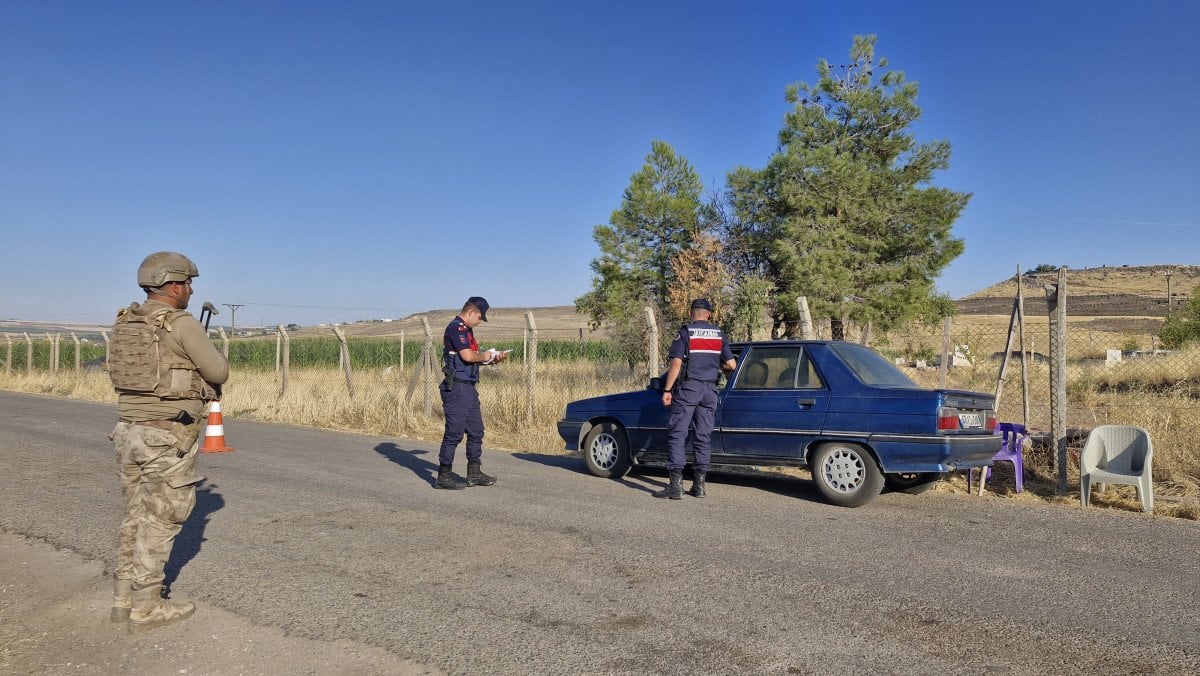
(164,369)
(460,402)
(698,355)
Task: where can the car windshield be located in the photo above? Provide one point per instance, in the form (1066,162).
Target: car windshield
(870,367)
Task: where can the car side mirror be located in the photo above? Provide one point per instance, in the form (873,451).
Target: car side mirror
(656,383)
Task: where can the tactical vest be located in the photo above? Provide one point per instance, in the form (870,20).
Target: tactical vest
(137,364)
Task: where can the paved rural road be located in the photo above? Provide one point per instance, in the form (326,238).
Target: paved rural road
(338,539)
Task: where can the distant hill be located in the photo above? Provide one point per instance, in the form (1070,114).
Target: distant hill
(1126,291)
(1119,292)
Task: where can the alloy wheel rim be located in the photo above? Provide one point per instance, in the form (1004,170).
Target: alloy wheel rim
(604,450)
(844,471)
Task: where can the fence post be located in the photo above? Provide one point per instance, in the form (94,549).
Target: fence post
(944,366)
(285,361)
(8,355)
(1024,356)
(652,343)
(530,366)
(28,354)
(1056,301)
(581,342)
(402,350)
(224,341)
(868,332)
(427,366)
(104,335)
(1008,345)
(50,366)
(76,339)
(806,325)
(344,357)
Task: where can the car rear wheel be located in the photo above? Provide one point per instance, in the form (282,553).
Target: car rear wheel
(846,474)
(913,483)
(606,451)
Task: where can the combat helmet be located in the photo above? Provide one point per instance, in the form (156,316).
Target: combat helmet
(165,266)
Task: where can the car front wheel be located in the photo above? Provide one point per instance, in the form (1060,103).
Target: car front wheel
(606,451)
(846,474)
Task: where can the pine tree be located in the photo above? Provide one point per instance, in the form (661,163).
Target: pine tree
(844,212)
(658,216)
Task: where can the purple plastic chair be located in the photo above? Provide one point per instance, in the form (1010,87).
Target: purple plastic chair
(1011,447)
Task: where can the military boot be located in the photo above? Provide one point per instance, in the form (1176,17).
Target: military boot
(446,479)
(698,483)
(675,490)
(151,610)
(122,592)
(475,475)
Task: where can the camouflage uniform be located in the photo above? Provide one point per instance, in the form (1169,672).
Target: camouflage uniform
(164,367)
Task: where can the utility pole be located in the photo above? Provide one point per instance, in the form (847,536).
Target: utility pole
(233,308)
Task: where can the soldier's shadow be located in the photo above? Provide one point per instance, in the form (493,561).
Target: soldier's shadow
(191,536)
(424,469)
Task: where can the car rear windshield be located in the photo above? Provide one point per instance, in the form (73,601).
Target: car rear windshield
(870,367)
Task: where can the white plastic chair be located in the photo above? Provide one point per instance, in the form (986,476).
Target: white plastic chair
(1117,454)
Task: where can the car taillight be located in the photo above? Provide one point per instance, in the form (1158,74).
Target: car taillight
(991,420)
(947,418)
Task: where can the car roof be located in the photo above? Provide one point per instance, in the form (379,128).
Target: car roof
(782,341)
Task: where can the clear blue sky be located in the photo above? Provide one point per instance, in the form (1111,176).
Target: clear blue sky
(333,161)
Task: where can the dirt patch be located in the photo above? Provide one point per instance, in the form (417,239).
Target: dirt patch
(54,618)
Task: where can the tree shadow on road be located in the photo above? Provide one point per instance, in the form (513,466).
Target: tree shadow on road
(408,459)
(191,536)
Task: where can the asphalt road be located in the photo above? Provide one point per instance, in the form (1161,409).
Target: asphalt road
(334,536)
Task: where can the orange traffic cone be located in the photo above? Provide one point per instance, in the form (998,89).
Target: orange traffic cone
(214,432)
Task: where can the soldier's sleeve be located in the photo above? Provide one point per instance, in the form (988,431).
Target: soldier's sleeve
(456,337)
(679,345)
(213,366)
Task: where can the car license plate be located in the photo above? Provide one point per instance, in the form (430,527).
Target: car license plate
(970,420)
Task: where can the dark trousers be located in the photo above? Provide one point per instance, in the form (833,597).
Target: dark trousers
(693,404)
(461,407)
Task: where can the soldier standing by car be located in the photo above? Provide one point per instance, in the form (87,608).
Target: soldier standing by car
(164,369)
(698,355)
(460,400)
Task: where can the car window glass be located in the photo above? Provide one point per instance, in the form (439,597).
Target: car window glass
(871,368)
(777,368)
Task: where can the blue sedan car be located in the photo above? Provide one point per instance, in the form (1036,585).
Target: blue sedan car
(850,416)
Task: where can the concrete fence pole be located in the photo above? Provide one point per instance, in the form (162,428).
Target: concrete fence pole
(652,342)
(1024,353)
(77,361)
(285,361)
(1056,301)
(344,358)
(8,355)
(28,354)
(224,341)
(104,335)
(427,366)
(806,324)
(530,366)
(50,366)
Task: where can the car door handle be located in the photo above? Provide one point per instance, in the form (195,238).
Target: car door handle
(806,402)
